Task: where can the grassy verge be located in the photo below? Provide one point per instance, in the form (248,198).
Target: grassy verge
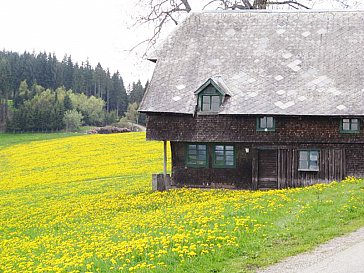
(8,139)
(316,215)
(84,204)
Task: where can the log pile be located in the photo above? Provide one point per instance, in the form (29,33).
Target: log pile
(108,130)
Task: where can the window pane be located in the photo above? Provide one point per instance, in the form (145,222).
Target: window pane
(229,148)
(263,123)
(314,155)
(201,147)
(219,148)
(191,147)
(303,155)
(206,104)
(303,164)
(346,124)
(354,124)
(354,127)
(215,103)
(270,122)
(229,152)
(229,160)
(313,165)
(220,158)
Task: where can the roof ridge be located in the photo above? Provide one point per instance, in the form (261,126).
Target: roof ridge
(278,11)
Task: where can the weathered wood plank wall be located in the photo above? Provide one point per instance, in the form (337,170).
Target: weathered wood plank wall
(331,167)
(340,154)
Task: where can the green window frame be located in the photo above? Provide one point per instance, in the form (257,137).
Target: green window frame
(350,125)
(196,155)
(210,99)
(309,160)
(266,124)
(224,156)
(210,103)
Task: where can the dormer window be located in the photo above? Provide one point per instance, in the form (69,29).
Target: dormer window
(210,103)
(210,96)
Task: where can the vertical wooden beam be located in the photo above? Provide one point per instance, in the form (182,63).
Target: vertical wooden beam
(255,168)
(165,160)
(279,167)
(343,163)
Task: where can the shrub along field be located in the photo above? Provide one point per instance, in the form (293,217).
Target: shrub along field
(84,204)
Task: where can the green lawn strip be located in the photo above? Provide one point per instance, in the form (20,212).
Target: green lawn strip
(8,139)
(326,214)
(332,214)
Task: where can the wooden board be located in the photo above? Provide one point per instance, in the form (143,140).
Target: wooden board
(267,169)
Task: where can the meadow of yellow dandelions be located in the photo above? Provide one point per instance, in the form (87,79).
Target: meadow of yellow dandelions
(84,204)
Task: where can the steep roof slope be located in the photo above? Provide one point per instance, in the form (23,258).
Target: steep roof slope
(283,63)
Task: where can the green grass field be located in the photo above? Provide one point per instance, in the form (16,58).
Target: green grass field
(84,204)
(8,139)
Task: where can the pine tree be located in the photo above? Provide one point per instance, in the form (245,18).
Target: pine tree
(68,72)
(118,97)
(137,93)
(67,103)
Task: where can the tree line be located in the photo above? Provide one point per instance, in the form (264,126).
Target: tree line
(45,72)
(40,109)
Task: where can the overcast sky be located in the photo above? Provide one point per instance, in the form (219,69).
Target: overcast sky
(95,29)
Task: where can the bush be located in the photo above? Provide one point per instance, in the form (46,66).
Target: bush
(110,117)
(123,123)
(72,120)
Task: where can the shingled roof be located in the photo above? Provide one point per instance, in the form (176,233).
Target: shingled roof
(277,63)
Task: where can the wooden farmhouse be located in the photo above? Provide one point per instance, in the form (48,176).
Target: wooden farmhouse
(260,99)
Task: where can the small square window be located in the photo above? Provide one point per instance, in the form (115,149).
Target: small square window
(224,156)
(265,124)
(196,155)
(309,160)
(350,125)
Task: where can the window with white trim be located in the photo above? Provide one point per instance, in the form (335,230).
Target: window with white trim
(309,160)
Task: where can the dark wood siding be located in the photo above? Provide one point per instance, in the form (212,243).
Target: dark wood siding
(354,156)
(332,167)
(341,154)
(267,169)
(238,177)
(225,128)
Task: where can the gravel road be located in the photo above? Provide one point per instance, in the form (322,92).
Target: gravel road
(341,255)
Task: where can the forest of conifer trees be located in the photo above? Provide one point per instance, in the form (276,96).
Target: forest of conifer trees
(45,72)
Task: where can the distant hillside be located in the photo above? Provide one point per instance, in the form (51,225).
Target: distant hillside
(45,70)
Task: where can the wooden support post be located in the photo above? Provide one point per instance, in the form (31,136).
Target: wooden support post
(255,169)
(165,160)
